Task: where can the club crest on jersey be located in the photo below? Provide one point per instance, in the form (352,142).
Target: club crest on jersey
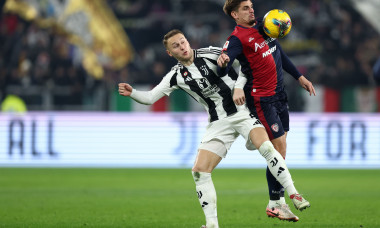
(205,70)
(275,127)
(185,74)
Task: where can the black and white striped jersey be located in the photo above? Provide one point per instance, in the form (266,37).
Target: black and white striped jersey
(200,80)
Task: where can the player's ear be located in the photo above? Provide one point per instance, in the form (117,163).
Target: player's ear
(168,52)
(234,14)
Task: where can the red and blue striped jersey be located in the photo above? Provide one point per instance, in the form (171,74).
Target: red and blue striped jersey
(261,58)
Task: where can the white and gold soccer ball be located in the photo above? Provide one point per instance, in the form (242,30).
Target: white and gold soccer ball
(277,23)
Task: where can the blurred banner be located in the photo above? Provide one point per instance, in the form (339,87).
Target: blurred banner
(369,9)
(170,140)
(348,99)
(88,24)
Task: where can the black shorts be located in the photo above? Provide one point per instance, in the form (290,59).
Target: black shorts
(273,112)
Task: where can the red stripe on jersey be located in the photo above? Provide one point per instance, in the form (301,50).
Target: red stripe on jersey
(260,59)
(261,116)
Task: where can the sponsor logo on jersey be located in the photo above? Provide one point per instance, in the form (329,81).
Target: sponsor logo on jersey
(207,89)
(203,83)
(262,44)
(270,51)
(250,39)
(274,127)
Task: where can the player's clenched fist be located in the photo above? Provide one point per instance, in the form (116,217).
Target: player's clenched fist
(125,89)
(223,60)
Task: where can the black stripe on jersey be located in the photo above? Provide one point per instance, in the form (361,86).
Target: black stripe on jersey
(173,80)
(193,85)
(232,73)
(225,91)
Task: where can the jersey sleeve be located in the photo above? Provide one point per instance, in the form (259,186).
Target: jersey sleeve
(241,80)
(232,48)
(287,65)
(162,89)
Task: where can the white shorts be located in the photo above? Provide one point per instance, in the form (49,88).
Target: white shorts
(225,131)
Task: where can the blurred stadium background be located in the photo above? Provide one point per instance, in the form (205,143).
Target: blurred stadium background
(61,61)
(45,43)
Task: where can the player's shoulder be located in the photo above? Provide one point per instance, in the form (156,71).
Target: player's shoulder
(176,68)
(208,51)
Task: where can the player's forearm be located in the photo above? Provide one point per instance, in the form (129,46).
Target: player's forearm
(241,81)
(221,71)
(145,97)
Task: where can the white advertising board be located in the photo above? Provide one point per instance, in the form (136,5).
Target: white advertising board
(170,140)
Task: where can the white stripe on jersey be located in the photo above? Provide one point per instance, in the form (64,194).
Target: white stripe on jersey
(200,80)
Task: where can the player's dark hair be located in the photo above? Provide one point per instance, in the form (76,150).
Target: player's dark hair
(232,5)
(170,34)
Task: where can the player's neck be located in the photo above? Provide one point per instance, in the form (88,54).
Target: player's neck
(246,25)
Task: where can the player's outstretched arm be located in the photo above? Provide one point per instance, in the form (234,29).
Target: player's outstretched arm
(125,89)
(306,84)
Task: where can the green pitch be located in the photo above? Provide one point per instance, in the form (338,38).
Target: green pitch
(154,198)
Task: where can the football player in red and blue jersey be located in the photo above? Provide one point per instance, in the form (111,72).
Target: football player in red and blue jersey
(262,61)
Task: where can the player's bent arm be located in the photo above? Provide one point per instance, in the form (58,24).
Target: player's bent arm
(232,48)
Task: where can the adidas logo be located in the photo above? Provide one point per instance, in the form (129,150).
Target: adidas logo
(280,171)
(204,204)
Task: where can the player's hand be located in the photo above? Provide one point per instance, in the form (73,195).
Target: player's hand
(307,85)
(125,89)
(223,60)
(239,97)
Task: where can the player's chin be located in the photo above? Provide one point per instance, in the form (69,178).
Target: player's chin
(252,22)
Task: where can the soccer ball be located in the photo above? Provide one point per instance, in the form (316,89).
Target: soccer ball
(277,23)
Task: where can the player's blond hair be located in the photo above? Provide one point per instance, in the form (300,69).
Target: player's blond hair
(170,34)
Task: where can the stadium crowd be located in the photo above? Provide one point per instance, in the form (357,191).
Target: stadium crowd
(330,42)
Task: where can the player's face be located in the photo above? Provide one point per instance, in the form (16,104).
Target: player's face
(245,15)
(179,48)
